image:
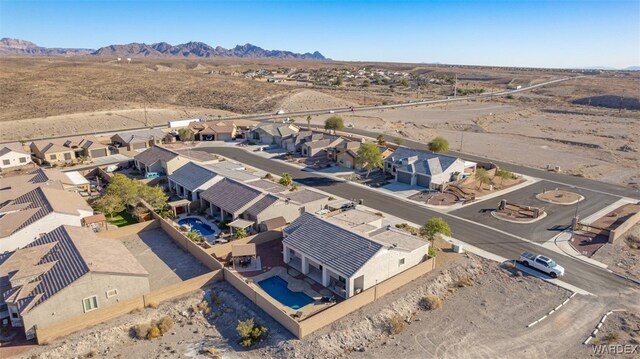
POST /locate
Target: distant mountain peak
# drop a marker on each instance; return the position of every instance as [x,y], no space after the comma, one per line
[10,46]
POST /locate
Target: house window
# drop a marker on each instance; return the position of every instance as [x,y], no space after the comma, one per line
[112,293]
[6,162]
[53,157]
[67,156]
[90,303]
[23,160]
[14,315]
[401,262]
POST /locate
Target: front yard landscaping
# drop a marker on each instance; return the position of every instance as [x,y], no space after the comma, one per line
[121,219]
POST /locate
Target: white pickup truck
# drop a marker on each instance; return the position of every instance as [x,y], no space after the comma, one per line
[542,263]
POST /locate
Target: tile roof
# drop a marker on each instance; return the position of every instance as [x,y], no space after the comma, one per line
[230,195]
[268,186]
[196,155]
[278,129]
[59,258]
[39,202]
[192,175]
[140,136]
[303,196]
[423,162]
[261,205]
[331,245]
[154,154]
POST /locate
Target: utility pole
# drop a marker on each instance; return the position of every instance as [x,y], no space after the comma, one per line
[146,120]
[455,87]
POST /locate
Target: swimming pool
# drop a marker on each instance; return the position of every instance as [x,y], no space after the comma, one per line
[277,288]
[197,225]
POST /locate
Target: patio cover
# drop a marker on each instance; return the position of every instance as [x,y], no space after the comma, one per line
[243,250]
[241,223]
[274,223]
[179,203]
[76,178]
[96,218]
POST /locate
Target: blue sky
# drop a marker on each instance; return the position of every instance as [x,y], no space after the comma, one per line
[538,33]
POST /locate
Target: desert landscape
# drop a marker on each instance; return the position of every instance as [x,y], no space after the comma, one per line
[589,125]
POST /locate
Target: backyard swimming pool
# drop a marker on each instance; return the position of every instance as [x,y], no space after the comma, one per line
[277,288]
[197,225]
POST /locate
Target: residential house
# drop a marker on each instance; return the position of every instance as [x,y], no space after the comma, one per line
[272,133]
[68,150]
[37,211]
[65,274]
[346,153]
[294,143]
[165,161]
[192,178]
[257,201]
[316,147]
[213,130]
[13,157]
[424,168]
[71,180]
[138,140]
[352,257]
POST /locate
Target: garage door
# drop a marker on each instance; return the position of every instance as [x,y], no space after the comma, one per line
[424,181]
[404,177]
[98,153]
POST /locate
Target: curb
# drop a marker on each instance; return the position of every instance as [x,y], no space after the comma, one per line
[494,215]
[634,280]
[599,325]
[552,311]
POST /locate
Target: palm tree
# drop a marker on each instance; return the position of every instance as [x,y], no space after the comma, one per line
[309,122]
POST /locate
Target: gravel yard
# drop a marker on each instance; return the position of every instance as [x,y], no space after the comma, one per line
[623,256]
[484,313]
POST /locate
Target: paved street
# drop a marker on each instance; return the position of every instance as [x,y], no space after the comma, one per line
[579,274]
[533,172]
[558,217]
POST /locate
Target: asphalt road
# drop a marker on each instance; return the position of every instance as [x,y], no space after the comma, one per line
[558,216]
[579,274]
[533,172]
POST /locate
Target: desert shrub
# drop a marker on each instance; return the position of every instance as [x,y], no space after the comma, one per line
[250,333]
[153,333]
[165,324]
[268,176]
[154,329]
[136,310]
[396,324]
[407,228]
[213,352]
[293,188]
[431,302]
[508,265]
[141,330]
[153,305]
[464,281]
[612,337]
[91,354]
[215,299]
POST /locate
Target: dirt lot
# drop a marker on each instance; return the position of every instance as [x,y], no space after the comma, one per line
[560,123]
[623,255]
[484,313]
[620,328]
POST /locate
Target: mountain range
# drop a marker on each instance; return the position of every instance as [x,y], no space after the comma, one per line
[191,49]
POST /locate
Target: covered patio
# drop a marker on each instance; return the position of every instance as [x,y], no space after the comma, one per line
[241,224]
[244,258]
[180,206]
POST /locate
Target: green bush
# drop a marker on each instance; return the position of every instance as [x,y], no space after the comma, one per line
[250,333]
[432,251]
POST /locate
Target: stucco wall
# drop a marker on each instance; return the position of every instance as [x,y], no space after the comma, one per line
[68,304]
[289,211]
[14,159]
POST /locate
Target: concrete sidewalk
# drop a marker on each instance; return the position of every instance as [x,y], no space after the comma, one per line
[562,242]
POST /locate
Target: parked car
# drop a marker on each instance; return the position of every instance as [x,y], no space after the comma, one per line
[542,263]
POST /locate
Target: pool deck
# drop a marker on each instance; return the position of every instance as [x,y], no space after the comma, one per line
[210,238]
[272,265]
